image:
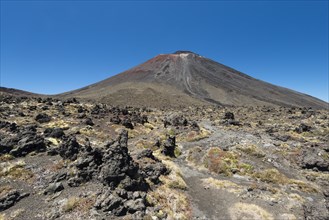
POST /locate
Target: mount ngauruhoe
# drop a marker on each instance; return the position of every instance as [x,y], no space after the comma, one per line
[186,78]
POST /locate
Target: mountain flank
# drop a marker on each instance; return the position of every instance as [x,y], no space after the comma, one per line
[186,78]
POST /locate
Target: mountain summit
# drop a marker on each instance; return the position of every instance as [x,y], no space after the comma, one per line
[186,78]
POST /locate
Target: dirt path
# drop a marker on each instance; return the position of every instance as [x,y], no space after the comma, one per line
[207,203]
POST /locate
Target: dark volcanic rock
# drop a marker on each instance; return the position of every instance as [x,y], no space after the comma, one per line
[54,132]
[175,120]
[43,118]
[81,115]
[233,122]
[154,171]
[228,115]
[88,121]
[124,181]
[118,166]
[53,188]
[32,108]
[28,144]
[134,183]
[157,143]
[283,138]
[124,111]
[140,119]
[58,177]
[146,153]
[123,140]
[229,119]
[81,109]
[112,165]
[7,144]
[109,202]
[4,124]
[169,146]
[313,159]
[71,101]
[99,109]
[121,202]
[52,151]
[88,165]
[45,108]
[24,135]
[195,126]
[135,205]
[10,126]
[302,128]
[28,130]
[69,149]
[127,123]
[115,120]
[9,198]
[312,212]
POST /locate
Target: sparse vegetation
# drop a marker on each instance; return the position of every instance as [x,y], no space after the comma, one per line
[59,124]
[171,132]
[252,150]
[174,180]
[57,165]
[245,169]
[248,211]
[224,162]
[174,203]
[275,177]
[6,157]
[193,136]
[195,155]
[4,190]
[219,161]
[271,176]
[70,203]
[15,170]
[177,151]
[303,186]
[145,144]
[53,141]
[223,184]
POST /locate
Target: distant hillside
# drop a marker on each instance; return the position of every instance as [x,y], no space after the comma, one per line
[16,92]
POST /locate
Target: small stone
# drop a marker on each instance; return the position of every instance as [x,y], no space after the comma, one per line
[135,205]
[53,188]
[88,121]
[229,115]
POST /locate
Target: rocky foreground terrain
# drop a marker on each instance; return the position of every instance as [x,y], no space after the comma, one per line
[67,159]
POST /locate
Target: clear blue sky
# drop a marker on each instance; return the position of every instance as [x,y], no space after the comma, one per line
[55,46]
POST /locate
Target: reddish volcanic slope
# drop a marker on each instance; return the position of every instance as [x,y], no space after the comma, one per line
[186,78]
